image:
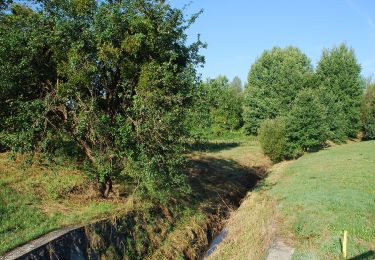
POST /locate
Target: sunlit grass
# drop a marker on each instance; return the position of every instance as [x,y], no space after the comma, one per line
[35,200]
[324,193]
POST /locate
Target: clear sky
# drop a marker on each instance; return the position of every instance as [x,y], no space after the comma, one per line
[238,31]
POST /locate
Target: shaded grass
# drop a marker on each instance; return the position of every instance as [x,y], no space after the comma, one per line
[219,179]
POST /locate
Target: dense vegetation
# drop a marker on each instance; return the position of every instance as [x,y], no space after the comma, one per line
[217,108]
[316,106]
[368,112]
[105,83]
[109,90]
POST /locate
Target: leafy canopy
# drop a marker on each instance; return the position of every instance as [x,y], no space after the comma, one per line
[338,74]
[274,81]
[103,82]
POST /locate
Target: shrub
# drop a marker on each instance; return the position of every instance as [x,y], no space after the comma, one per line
[303,129]
[272,138]
[306,126]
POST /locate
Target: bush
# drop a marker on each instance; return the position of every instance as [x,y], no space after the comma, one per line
[272,138]
[303,129]
[306,126]
[368,112]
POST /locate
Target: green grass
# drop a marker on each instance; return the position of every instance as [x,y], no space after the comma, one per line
[20,219]
[324,193]
[308,203]
[35,200]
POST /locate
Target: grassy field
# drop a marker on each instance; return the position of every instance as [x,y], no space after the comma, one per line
[324,193]
[308,203]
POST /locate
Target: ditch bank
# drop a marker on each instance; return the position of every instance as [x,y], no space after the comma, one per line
[183,229]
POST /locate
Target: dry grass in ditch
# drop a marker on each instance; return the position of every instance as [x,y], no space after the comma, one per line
[250,229]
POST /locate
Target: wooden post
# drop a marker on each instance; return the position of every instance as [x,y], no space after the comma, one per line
[344,244]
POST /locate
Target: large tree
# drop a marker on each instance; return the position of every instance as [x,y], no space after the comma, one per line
[274,81]
[105,82]
[338,77]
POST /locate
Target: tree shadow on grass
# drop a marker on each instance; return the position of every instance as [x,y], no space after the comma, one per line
[212,146]
[219,181]
[367,255]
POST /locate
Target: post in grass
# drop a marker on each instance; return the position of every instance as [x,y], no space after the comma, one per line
[344,244]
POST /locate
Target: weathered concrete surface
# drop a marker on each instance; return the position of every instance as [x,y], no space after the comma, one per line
[52,244]
[104,239]
[217,240]
[279,251]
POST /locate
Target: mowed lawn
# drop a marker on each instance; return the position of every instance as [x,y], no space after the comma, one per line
[324,193]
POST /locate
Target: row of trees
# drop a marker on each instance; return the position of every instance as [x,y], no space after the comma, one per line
[104,83]
[296,109]
[217,108]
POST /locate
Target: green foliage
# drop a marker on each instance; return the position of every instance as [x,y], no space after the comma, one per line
[303,129]
[217,109]
[338,73]
[273,139]
[335,116]
[274,81]
[306,125]
[236,84]
[104,82]
[368,112]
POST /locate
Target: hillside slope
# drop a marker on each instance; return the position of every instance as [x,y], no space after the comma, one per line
[308,203]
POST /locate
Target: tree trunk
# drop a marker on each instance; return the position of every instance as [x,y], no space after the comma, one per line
[106,187]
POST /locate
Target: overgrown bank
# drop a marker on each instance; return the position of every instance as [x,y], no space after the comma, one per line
[219,176]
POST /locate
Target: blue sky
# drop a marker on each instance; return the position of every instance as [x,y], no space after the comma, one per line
[238,31]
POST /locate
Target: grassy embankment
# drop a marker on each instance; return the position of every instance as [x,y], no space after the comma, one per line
[308,203]
[38,199]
